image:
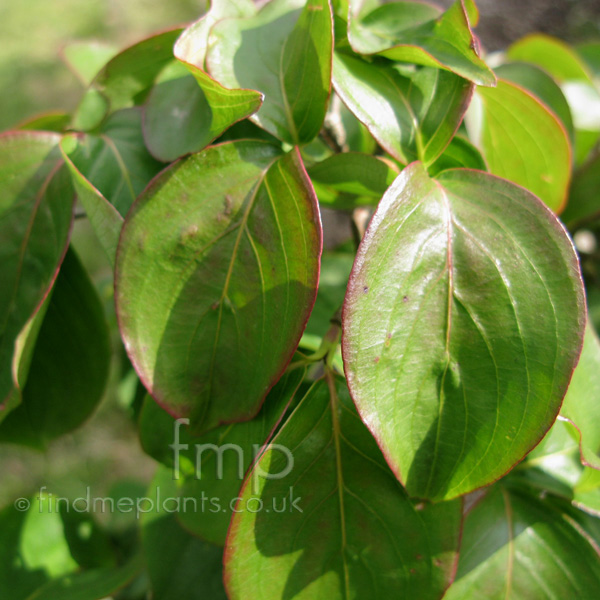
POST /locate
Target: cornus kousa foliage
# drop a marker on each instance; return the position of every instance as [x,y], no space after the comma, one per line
[414,413]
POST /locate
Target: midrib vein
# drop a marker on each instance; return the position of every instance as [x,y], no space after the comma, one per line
[241,229]
[449,266]
[330,377]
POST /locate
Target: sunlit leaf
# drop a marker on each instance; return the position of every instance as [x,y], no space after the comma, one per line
[284,52]
[517,546]
[413,114]
[523,141]
[328,519]
[463,322]
[416,32]
[217,270]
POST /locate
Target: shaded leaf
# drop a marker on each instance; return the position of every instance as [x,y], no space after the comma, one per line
[463,322]
[349,179]
[212,466]
[459,153]
[68,373]
[584,195]
[186,111]
[338,524]
[523,141]
[415,32]
[114,161]
[412,114]
[517,546]
[284,52]
[94,584]
[222,287]
[179,565]
[36,211]
[103,216]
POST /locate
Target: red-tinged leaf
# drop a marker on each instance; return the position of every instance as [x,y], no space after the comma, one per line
[216,276]
[322,516]
[36,212]
[463,322]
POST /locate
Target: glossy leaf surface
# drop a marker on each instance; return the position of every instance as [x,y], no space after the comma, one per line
[463,322]
[413,32]
[524,142]
[212,466]
[68,373]
[338,525]
[285,52]
[412,115]
[86,59]
[217,270]
[517,546]
[36,211]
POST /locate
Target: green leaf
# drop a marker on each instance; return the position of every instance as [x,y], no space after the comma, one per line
[68,373]
[285,53]
[36,212]
[95,584]
[351,178]
[517,546]
[411,113]
[541,85]
[226,453]
[590,52]
[459,153]
[192,45]
[103,216]
[524,142]
[582,402]
[126,79]
[338,524]
[463,322]
[551,54]
[115,162]
[184,113]
[335,270]
[85,59]
[227,285]
[33,547]
[48,121]
[584,195]
[180,566]
[414,32]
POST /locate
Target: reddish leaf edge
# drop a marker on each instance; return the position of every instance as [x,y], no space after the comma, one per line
[155,182]
[359,261]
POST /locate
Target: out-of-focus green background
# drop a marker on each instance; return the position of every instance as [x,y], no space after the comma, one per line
[33,32]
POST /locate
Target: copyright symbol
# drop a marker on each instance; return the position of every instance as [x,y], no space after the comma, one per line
[22,504]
